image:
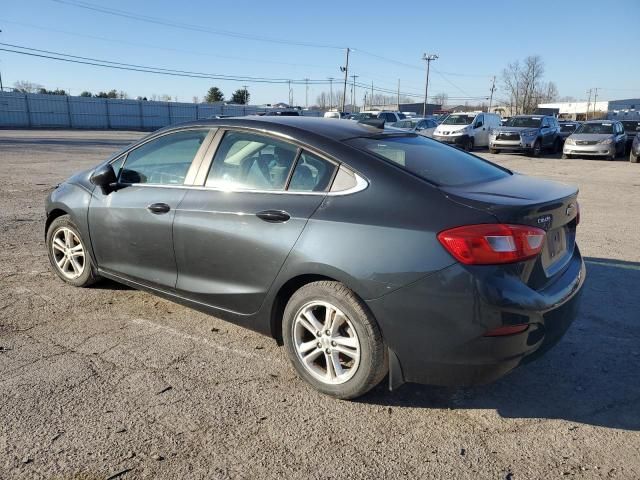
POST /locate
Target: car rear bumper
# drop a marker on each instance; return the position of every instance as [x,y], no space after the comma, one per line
[436,326]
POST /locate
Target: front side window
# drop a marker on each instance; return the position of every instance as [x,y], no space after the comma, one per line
[164,160]
[250,161]
[479,121]
[312,174]
[430,160]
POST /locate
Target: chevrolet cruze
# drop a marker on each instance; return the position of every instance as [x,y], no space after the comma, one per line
[365,252]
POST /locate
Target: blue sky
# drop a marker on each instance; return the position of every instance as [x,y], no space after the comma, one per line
[583,44]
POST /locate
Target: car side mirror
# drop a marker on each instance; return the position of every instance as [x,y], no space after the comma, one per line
[105,178]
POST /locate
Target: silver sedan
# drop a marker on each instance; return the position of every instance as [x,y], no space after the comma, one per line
[603,138]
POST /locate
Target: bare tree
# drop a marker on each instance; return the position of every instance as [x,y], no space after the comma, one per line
[441,98]
[25,86]
[322,100]
[524,87]
[195,99]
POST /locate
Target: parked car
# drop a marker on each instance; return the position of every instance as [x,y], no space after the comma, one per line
[567,128]
[467,130]
[283,113]
[635,149]
[421,126]
[290,226]
[631,128]
[387,115]
[602,138]
[527,133]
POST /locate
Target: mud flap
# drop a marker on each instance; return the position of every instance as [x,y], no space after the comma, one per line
[396,378]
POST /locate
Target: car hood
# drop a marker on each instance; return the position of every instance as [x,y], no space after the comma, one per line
[513,129]
[591,136]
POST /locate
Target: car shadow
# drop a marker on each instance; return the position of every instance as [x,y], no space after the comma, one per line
[591,377]
[108,284]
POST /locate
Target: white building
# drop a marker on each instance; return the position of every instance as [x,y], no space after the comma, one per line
[612,109]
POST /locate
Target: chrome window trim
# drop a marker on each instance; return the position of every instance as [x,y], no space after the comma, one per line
[361,184]
[201,176]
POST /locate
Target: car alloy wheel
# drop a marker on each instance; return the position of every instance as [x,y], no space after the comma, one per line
[68,253]
[326,342]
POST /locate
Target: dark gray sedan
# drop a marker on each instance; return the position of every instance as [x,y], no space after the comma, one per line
[364,252]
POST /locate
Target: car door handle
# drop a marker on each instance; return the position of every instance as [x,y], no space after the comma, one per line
[158,208]
[273,216]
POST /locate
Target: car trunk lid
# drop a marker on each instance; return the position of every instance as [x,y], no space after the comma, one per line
[523,200]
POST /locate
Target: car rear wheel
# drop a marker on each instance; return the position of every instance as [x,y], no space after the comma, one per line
[557,146]
[68,254]
[333,340]
[633,158]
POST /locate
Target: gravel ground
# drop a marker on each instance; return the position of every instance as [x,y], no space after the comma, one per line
[109,382]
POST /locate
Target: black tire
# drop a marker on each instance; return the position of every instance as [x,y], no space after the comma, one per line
[633,158]
[557,146]
[536,150]
[494,151]
[468,145]
[89,275]
[373,364]
[566,156]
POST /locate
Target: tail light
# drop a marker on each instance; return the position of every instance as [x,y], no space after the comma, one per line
[489,244]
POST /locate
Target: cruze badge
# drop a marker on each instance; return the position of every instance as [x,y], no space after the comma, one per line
[545,221]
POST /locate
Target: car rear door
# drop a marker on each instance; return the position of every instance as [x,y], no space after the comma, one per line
[131,228]
[234,231]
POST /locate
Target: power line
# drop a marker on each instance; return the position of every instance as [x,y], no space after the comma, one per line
[156,47]
[188,26]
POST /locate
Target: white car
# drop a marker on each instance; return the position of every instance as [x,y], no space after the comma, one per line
[421,126]
[387,115]
[467,129]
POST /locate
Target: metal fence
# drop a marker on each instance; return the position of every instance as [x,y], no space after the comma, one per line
[31,110]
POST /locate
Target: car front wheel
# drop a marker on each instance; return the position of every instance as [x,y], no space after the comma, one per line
[68,253]
[333,340]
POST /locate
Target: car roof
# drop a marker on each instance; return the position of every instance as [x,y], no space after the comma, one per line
[331,128]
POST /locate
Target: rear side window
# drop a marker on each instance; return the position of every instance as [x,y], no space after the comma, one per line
[164,160]
[431,160]
[312,174]
[249,161]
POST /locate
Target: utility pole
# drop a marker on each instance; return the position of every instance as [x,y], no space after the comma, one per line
[427,58]
[595,99]
[306,93]
[345,69]
[398,94]
[493,89]
[290,93]
[353,92]
[371,106]
[586,115]
[331,79]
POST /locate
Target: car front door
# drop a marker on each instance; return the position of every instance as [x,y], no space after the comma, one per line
[546,133]
[131,228]
[480,132]
[233,233]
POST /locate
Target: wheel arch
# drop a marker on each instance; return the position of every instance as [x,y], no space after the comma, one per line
[51,216]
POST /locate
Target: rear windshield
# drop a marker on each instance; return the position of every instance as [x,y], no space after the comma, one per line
[603,128]
[527,122]
[431,160]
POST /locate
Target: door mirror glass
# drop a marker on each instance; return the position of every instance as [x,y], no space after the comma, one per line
[104,177]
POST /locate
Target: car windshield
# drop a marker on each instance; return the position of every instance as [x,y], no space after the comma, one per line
[459,120]
[631,126]
[604,128]
[526,122]
[431,160]
[568,127]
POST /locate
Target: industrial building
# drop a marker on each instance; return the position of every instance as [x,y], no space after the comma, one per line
[628,109]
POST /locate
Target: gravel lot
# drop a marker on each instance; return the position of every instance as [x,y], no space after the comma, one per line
[109,382]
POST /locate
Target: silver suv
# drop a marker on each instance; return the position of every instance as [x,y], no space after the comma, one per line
[529,133]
